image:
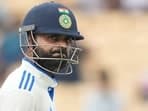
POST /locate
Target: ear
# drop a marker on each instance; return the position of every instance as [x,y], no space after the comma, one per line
[30,42]
[29,38]
[30,48]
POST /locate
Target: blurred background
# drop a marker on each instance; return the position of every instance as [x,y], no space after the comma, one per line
[113,73]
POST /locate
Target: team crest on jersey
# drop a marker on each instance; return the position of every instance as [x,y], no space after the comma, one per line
[65,21]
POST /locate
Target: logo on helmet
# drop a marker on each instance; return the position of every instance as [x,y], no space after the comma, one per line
[63,10]
[65,21]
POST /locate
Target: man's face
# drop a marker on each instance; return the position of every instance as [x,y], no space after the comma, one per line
[54,46]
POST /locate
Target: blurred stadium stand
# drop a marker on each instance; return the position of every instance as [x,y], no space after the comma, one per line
[114,39]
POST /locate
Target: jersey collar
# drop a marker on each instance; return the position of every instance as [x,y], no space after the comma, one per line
[42,75]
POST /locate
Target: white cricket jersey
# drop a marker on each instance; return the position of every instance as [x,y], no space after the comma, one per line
[28,88]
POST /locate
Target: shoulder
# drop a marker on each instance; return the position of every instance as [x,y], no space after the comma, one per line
[19,79]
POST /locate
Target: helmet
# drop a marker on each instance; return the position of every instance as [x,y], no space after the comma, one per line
[51,18]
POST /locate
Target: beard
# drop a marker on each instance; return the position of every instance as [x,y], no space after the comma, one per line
[52,64]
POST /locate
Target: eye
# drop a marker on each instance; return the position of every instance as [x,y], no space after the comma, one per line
[58,38]
[53,38]
[68,41]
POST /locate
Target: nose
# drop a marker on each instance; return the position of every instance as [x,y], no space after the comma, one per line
[62,43]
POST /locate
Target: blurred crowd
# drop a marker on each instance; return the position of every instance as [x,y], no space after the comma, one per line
[96,6]
[105,96]
[9,40]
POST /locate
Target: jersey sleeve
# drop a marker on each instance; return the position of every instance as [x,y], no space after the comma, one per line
[16,101]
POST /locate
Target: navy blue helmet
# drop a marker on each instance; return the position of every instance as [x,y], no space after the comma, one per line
[53,18]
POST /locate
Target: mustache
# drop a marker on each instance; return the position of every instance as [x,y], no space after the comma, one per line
[61,50]
[58,50]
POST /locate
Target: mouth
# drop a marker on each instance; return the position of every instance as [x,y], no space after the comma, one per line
[58,55]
